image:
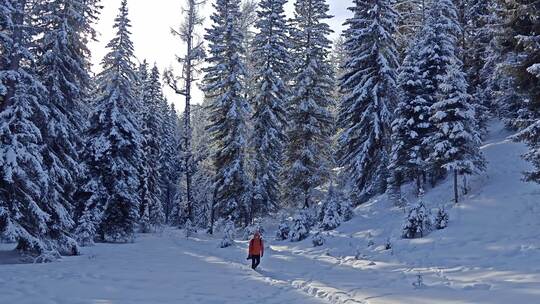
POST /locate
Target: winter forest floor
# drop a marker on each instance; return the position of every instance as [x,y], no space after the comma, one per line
[490,253]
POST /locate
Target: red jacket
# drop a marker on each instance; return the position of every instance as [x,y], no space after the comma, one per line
[256,246]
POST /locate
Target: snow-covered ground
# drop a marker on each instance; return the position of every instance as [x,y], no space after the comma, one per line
[490,253]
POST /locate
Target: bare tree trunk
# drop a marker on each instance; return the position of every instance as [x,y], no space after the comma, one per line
[213,212]
[194,57]
[187,123]
[306,199]
[456,194]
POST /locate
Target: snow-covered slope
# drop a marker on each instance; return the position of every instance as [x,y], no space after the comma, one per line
[490,253]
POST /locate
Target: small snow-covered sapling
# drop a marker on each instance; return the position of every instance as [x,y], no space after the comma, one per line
[228,235]
[283,231]
[441,220]
[318,239]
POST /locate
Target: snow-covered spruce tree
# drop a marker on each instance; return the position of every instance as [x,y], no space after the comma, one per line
[307,156]
[246,24]
[411,126]
[345,208]
[523,37]
[441,219]
[26,214]
[228,112]
[437,46]
[370,91]
[480,62]
[171,153]
[418,222]
[318,239]
[455,140]
[329,214]
[63,67]
[152,216]
[113,150]
[299,228]
[272,64]
[203,168]
[228,234]
[283,230]
[518,107]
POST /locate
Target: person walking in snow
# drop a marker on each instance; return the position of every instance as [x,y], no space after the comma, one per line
[256,250]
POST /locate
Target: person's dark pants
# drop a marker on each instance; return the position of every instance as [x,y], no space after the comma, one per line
[255,261]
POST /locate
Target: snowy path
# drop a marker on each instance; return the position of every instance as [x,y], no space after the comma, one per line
[489,254]
[153,270]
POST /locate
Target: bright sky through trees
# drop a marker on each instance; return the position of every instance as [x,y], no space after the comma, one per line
[153,41]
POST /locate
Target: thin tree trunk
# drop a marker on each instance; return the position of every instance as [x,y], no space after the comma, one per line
[456,194]
[465,186]
[418,184]
[187,112]
[306,200]
[212,212]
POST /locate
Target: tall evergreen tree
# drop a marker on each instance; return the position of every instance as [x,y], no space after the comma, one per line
[26,213]
[64,70]
[410,127]
[436,47]
[479,64]
[170,163]
[522,38]
[307,156]
[113,150]
[272,63]
[228,111]
[370,91]
[152,216]
[455,140]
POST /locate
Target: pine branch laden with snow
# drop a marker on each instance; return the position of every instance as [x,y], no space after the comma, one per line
[228,112]
[272,62]
[369,87]
[307,156]
[113,150]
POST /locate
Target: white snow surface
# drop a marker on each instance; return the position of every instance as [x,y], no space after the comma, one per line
[490,253]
